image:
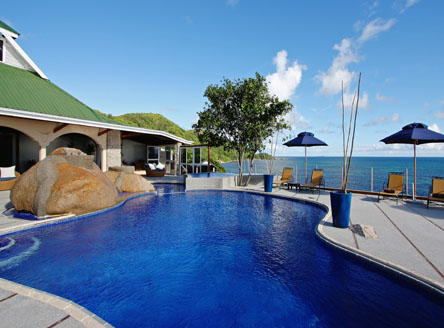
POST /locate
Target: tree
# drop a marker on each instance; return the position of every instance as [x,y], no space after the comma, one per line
[240,115]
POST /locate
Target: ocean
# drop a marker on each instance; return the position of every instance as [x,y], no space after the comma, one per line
[360,171]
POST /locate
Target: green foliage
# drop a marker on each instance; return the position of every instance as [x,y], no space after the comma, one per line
[240,115]
[262,156]
[159,122]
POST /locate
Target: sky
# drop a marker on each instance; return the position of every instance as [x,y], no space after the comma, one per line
[159,57]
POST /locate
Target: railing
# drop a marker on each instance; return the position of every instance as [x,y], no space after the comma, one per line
[361,178]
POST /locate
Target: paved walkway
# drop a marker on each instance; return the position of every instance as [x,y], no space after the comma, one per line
[410,238]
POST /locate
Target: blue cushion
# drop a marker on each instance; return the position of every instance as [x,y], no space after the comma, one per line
[7,179]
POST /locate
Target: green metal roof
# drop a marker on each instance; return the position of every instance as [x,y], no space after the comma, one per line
[25,90]
[7,27]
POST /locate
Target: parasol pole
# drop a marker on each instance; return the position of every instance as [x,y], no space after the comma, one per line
[305,163]
[414,168]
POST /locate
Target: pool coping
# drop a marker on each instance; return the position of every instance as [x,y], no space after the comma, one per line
[74,310]
[396,268]
[68,217]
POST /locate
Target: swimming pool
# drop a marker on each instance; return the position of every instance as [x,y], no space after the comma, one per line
[213,258]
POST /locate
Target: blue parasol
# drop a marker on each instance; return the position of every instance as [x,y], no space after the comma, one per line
[305,139]
[414,134]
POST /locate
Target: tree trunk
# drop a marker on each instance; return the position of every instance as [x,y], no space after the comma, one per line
[250,169]
[240,159]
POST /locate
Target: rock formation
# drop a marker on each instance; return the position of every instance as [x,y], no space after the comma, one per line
[67,181]
[126,180]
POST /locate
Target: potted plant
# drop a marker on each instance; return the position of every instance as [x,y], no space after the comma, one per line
[279,125]
[341,200]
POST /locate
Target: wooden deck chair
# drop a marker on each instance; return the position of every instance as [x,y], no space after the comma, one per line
[436,191]
[395,186]
[286,176]
[317,180]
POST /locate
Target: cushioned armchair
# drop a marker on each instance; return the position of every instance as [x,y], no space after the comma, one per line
[154,172]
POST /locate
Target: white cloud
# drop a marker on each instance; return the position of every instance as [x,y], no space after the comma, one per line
[338,72]
[408,4]
[434,127]
[328,129]
[375,27]
[382,98]
[383,120]
[284,82]
[395,117]
[348,99]
[433,146]
[296,120]
[439,115]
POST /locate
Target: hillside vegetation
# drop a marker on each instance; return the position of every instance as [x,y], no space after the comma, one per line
[159,122]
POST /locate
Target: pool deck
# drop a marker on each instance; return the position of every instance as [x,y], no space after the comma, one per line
[410,235]
[410,239]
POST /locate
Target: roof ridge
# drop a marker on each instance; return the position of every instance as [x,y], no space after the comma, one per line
[7,27]
[30,80]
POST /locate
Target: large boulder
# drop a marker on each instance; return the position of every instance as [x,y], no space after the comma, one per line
[128,182]
[67,181]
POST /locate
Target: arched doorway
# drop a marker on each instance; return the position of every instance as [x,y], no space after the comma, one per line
[79,141]
[17,149]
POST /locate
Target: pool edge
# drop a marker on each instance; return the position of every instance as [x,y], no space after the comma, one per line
[74,310]
[414,277]
[387,265]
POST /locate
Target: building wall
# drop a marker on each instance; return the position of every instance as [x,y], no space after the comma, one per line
[133,152]
[42,134]
[29,152]
[11,57]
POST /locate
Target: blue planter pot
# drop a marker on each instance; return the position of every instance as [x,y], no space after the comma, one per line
[268,182]
[340,208]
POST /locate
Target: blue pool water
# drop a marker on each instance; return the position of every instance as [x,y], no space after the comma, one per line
[213,259]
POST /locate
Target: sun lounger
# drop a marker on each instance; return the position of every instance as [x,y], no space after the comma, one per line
[436,191]
[317,180]
[395,186]
[286,176]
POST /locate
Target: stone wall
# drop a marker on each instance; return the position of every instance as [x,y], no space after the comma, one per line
[113,153]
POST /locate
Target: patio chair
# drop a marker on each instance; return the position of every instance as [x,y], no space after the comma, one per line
[394,187]
[286,176]
[317,180]
[436,191]
[154,172]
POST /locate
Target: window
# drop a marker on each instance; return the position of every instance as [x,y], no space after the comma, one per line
[1,50]
[153,154]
